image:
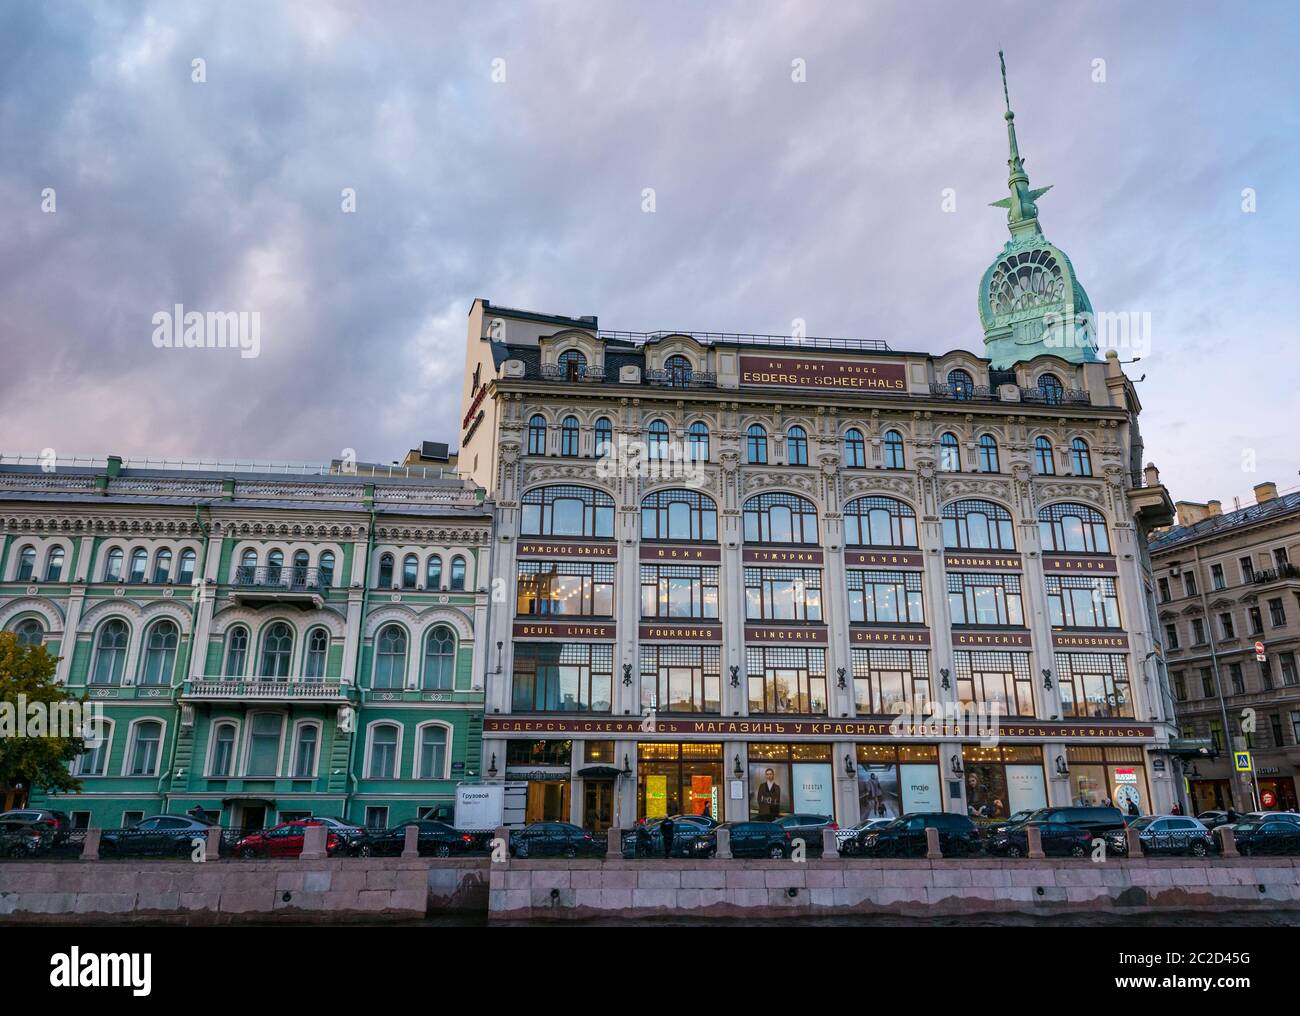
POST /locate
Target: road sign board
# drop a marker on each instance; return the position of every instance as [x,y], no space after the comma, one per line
[1241,760]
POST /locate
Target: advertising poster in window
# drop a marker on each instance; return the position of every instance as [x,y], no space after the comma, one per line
[813,788]
[656,796]
[1025,788]
[769,790]
[878,790]
[920,788]
[986,791]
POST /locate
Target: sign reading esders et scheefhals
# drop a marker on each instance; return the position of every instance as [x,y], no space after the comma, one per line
[820,372]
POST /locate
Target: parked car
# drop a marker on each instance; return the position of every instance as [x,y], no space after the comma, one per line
[1274,837]
[435,839]
[56,823]
[1017,819]
[24,841]
[1165,834]
[1265,816]
[646,839]
[1097,820]
[350,835]
[1213,819]
[553,839]
[906,837]
[850,840]
[285,840]
[159,835]
[1059,839]
[802,826]
[748,839]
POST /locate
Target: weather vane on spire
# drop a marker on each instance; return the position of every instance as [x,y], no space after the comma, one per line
[1005,94]
[1022,212]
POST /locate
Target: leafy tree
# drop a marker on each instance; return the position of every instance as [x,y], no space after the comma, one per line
[29,756]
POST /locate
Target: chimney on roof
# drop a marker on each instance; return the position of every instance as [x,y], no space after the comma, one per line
[1214,508]
[1265,492]
[1191,512]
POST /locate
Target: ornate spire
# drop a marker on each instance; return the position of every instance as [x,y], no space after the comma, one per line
[1022,212]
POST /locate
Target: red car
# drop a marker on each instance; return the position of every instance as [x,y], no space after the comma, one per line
[284,840]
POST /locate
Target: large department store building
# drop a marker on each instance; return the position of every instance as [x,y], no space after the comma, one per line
[733,569]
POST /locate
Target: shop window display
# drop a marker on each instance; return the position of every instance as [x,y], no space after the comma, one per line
[1003,779]
[895,780]
[785,778]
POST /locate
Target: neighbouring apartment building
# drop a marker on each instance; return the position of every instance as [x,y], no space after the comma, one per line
[736,565]
[1229,594]
[265,643]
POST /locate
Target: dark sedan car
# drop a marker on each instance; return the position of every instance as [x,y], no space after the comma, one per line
[806,827]
[1059,839]
[748,839]
[906,836]
[1099,821]
[1271,837]
[1164,834]
[553,839]
[1018,819]
[646,839]
[435,839]
[157,835]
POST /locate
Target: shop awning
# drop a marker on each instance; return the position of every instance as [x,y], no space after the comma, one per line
[1192,747]
[600,772]
[249,799]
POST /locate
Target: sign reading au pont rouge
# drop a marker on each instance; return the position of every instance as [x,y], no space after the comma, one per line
[819,372]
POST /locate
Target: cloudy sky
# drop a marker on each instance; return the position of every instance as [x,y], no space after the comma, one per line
[774,200]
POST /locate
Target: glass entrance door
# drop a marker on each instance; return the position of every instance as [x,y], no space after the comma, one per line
[548,801]
[598,805]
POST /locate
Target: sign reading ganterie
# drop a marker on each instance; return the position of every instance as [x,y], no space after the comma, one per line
[781,555]
[651,552]
[882,559]
[986,639]
[1081,640]
[1055,564]
[565,630]
[680,633]
[777,633]
[553,548]
[821,372]
[637,727]
[890,638]
[986,561]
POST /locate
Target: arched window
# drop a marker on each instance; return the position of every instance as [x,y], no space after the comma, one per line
[960,385]
[383,752]
[569,437]
[162,565]
[567,510]
[325,570]
[949,453]
[160,653]
[537,435]
[679,515]
[113,566]
[1051,390]
[977,525]
[26,564]
[221,763]
[658,432]
[94,760]
[698,438]
[236,652]
[304,751]
[780,518]
[796,446]
[274,567]
[988,454]
[573,365]
[433,753]
[145,749]
[185,573]
[756,444]
[301,562]
[875,521]
[677,371]
[30,633]
[385,571]
[894,455]
[433,572]
[139,562]
[457,572]
[390,657]
[1044,459]
[855,449]
[246,574]
[277,650]
[1073,529]
[439,659]
[604,436]
[318,646]
[54,564]
[1080,457]
[110,652]
[410,571]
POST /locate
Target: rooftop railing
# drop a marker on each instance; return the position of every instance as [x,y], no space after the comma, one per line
[740,339]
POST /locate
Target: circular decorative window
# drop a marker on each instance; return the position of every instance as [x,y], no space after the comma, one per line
[1026,281]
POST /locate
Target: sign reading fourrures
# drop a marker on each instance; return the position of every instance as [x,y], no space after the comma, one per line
[565,630]
[552,548]
[882,559]
[985,561]
[965,727]
[680,633]
[1076,564]
[818,372]
[651,552]
[1081,640]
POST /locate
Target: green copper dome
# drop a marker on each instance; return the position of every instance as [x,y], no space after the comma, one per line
[1031,302]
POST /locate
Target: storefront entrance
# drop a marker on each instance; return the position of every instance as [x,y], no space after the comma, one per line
[597,805]
[548,801]
[1210,795]
[679,779]
[1277,794]
[1002,780]
[1109,777]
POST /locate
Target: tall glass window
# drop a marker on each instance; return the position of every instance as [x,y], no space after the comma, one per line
[960,385]
[318,645]
[874,521]
[569,437]
[893,447]
[949,454]
[977,525]
[562,677]
[439,659]
[679,515]
[537,435]
[756,445]
[855,449]
[780,518]
[277,650]
[988,449]
[390,658]
[236,652]
[1080,457]
[796,446]
[1044,457]
[160,653]
[1073,529]
[566,510]
[698,439]
[110,652]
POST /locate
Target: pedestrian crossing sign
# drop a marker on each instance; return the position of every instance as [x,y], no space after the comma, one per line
[1242,761]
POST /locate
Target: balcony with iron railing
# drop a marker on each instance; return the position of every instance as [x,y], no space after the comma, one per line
[264,689]
[282,584]
[990,393]
[1284,572]
[573,373]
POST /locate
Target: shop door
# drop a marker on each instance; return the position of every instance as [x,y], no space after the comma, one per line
[252,817]
[598,805]
[548,801]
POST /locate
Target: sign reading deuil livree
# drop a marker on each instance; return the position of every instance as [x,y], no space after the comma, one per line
[821,372]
